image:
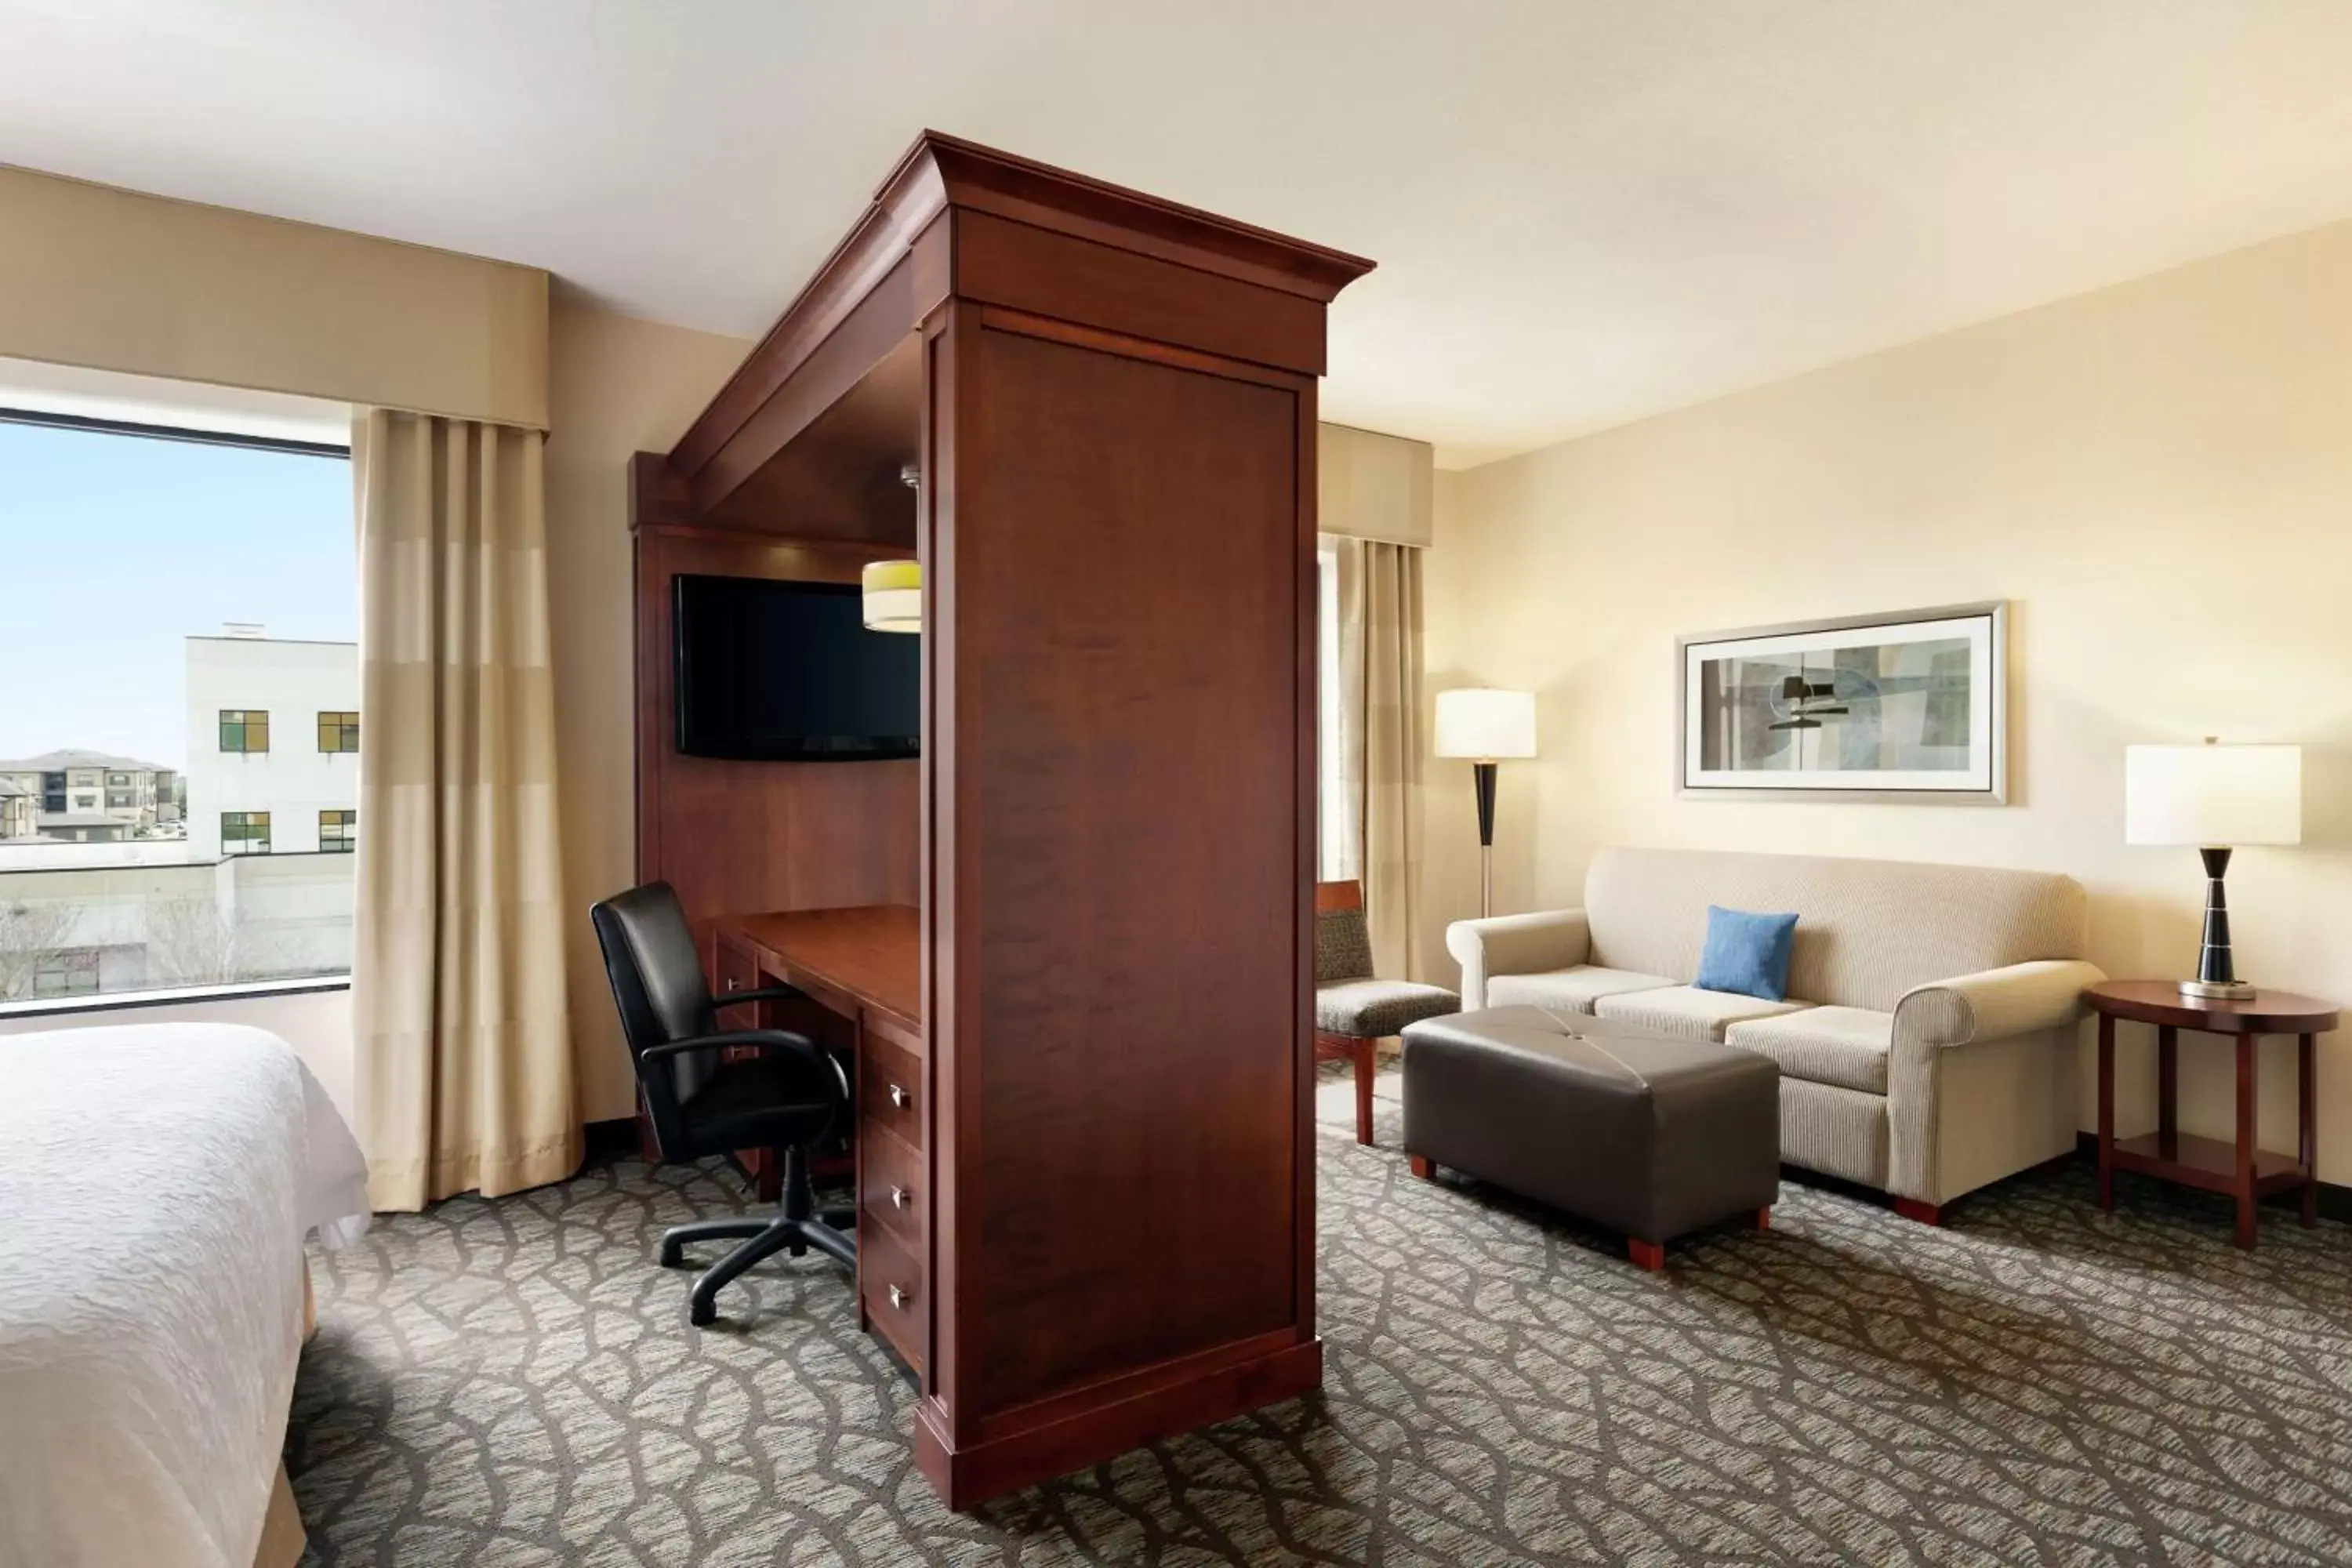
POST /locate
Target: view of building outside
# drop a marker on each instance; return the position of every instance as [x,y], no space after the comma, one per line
[178,786]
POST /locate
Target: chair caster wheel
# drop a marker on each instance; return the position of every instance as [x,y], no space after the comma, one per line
[701,1313]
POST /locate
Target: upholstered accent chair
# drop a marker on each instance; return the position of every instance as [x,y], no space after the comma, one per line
[1929,1043]
[1354,1011]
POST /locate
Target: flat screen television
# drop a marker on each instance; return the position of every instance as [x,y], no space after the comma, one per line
[786,672]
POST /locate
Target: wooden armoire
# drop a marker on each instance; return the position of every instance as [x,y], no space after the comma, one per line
[1111,402]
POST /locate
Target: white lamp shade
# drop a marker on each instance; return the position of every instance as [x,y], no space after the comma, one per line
[1485,724]
[894,596]
[2214,796]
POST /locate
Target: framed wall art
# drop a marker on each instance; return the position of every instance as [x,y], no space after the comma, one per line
[1907,707]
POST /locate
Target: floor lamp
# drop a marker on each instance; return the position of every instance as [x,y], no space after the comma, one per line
[1484,725]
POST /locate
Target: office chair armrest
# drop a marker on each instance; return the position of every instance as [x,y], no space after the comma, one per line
[765,1039]
[765,993]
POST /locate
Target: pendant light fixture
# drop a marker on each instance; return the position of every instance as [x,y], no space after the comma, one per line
[893,589]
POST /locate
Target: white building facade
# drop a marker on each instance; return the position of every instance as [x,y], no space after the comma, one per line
[273,747]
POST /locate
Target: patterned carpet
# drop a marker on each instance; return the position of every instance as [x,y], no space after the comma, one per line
[514,1382]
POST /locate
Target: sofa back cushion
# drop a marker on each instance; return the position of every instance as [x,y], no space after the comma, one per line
[1867,931]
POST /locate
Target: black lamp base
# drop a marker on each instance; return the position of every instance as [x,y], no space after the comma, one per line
[2217,975]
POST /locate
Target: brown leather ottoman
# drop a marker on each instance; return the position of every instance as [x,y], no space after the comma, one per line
[1643,1133]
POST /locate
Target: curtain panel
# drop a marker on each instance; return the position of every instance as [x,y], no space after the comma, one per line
[1382,739]
[461,1033]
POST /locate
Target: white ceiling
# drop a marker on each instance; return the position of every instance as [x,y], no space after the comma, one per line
[1583,210]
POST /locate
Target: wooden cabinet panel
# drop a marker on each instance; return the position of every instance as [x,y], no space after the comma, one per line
[1128,580]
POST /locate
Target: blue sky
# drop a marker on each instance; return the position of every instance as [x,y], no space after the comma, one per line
[113,549]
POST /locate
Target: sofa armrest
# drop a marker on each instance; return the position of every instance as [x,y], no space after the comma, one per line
[2011,1100]
[1995,1002]
[1515,944]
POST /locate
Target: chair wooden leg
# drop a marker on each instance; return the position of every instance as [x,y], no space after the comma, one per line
[1365,1060]
[1920,1209]
[1423,1166]
[1650,1254]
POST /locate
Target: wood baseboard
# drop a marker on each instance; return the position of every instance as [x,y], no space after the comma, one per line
[969,1476]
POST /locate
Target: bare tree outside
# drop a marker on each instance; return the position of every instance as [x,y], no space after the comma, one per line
[29,934]
[194,941]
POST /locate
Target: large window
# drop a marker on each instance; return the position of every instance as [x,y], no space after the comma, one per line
[200,583]
[1335,789]
[245,729]
[338,732]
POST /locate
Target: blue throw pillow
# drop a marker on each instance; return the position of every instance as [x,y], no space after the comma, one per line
[1746,954]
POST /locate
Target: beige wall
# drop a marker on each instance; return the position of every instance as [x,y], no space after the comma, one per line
[2158,476]
[617,386]
[118,281]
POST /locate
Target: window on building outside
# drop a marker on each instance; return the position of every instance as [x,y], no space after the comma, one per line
[161,720]
[338,732]
[69,971]
[244,729]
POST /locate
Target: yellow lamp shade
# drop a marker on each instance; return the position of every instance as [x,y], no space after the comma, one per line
[894,596]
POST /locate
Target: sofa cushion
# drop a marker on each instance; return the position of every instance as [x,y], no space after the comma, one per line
[1689,1012]
[1375,1009]
[1841,1046]
[1570,990]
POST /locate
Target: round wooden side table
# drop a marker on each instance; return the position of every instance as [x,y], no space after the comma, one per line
[2238,1169]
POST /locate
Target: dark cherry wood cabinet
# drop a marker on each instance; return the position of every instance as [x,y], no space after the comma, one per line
[1088,1212]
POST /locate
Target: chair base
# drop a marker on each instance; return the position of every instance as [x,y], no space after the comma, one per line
[762,1239]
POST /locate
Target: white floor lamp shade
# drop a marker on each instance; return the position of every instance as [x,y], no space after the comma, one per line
[1485,724]
[2213,798]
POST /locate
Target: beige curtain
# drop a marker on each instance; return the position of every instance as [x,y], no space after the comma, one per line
[463,1044]
[1380,686]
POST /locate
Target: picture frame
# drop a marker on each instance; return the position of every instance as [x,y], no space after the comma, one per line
[1908,706]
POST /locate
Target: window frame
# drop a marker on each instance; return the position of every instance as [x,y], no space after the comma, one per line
[245,824]
[347,841]
[345,724]
[247,721]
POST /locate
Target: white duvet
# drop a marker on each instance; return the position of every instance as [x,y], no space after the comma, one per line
[156,1183]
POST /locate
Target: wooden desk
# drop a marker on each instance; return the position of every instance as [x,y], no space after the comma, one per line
[864,968]
[2239,1168]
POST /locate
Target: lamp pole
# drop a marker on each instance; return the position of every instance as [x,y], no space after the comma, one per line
[1483,774]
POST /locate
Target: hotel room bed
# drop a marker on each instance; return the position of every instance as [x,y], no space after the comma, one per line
[156,1183]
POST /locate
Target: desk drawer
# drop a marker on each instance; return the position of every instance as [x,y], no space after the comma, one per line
[890,1089]
[897,1295]
[890,1186]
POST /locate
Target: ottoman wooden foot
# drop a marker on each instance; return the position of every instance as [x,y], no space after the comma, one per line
[1920,1209]
[1764,1217]
[1650,1254]
[1423,1166]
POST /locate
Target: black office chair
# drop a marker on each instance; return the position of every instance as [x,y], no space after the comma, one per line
[791,1096]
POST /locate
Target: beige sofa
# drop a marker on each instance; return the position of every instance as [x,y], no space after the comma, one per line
[1929,1046]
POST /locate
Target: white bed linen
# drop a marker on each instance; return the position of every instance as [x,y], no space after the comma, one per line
[156,1183]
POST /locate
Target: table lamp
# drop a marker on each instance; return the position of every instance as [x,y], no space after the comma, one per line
[1486,725]
[2216,798]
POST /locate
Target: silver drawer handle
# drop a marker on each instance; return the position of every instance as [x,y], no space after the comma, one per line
[733,983]
[901,1097]
[901,1198]
[898,1297]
